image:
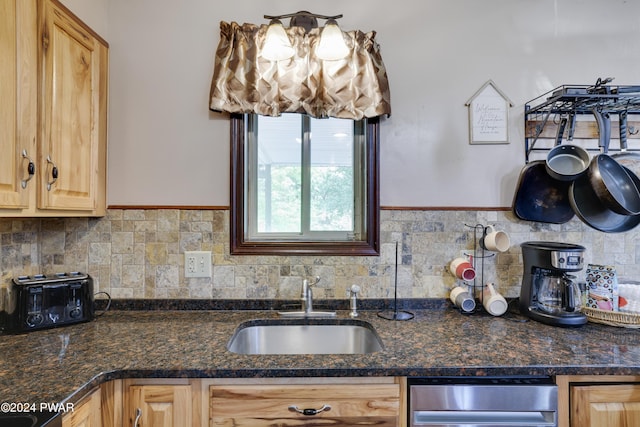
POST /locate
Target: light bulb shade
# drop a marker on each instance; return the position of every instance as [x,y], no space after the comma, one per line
[332,45]
[277,45]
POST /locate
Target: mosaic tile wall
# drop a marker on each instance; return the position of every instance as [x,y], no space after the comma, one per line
[139,254]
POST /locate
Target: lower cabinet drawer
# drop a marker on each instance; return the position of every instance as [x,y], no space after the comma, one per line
[300,405]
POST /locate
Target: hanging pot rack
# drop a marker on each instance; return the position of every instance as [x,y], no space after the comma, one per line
[544,113]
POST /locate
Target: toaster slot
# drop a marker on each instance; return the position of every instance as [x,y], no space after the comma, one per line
[56,302]
[74,305]
[34,306]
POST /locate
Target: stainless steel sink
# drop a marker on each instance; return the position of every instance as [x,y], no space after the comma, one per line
[304,336]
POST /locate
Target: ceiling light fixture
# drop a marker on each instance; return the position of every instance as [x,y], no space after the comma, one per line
[277,46]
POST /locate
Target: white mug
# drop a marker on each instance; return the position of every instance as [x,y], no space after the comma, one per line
[462,298]
[462,269]
[496,241]
[493,302]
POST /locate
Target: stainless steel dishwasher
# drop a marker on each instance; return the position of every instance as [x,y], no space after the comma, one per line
[482,401]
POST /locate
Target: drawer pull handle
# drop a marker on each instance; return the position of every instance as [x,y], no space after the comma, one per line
[309,411]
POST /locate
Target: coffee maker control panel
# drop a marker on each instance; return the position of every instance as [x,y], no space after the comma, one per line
[567,260]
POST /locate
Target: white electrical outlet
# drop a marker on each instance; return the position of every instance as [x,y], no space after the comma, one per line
[197,264]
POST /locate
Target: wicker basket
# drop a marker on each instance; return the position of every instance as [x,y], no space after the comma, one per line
[612,318]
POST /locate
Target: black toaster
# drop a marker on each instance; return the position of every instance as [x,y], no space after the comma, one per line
[46,301]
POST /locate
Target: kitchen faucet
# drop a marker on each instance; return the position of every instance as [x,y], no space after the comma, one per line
[306,298]
[307,295]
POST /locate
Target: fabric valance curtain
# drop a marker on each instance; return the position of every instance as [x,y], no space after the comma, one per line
[244,82]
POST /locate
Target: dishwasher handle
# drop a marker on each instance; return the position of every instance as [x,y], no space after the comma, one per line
[484,418]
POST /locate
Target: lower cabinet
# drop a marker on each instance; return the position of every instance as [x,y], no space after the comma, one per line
[308,403]
[161,403]
[86,413]
[596,401]
[254,402]
[583,401]
[605,405]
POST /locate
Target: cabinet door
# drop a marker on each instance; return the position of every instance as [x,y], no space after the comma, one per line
[73,93]
[86,414]
[18,94]
[605,405]
[268,405]
[160,406]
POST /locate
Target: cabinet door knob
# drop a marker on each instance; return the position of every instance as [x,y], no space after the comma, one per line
[54,173]
[31,169]
[309,411]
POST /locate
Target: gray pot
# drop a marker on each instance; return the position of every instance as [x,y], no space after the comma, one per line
[567,162]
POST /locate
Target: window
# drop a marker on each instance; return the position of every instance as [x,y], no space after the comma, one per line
[304,186]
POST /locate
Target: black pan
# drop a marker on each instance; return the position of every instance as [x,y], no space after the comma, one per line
[540,197]
[611,183]
[594,213]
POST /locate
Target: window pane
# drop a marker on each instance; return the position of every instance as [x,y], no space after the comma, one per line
[279,174]
[331,178]
[278,162]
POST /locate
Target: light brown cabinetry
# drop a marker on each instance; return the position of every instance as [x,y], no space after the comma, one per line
[254,402]
[87,413]
[18,92]
[598,400]
[162,403]
[605,405]
[72,154]
[308,402]
[57,118]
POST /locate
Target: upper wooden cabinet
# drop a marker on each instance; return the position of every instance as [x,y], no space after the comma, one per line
[18,91]
[73,77]
[57,119]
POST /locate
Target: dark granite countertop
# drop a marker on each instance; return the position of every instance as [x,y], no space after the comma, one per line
[61,364]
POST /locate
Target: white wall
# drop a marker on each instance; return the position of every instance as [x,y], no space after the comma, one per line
[166,148]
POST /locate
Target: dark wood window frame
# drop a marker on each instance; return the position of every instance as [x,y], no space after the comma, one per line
[239,246]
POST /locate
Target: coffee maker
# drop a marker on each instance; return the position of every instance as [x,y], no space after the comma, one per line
[548,293]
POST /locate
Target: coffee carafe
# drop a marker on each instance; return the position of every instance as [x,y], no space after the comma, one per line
[559,293]
[549,294]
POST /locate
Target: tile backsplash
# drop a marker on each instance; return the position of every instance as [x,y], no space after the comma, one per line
[136,253]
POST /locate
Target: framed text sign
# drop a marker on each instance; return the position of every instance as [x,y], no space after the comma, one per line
[489,116]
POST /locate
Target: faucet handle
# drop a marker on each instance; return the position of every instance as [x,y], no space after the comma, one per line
[314,282]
